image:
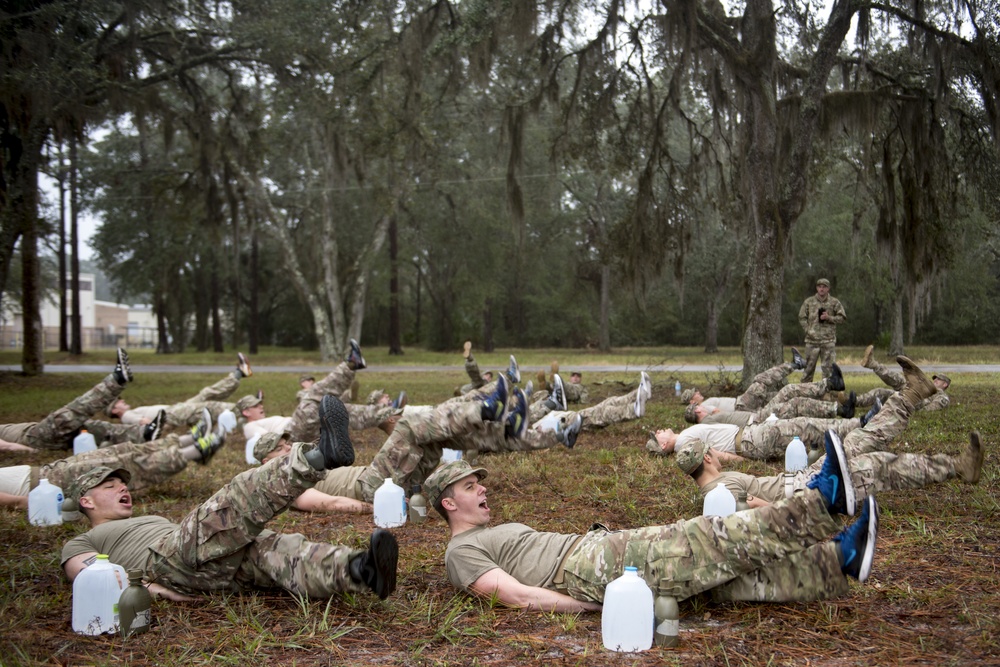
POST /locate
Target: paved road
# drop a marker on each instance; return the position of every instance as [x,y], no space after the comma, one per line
[662,368]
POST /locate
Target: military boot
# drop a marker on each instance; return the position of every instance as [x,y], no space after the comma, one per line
[918,386]
[969,464]
[866,360]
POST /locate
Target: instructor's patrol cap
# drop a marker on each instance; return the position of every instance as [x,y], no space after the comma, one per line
[446,475]
[88,480]
[823,281]
[690,455]
[688,394]
[248,402]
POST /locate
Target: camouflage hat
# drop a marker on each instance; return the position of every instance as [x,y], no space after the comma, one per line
[267,443]
[653,445]
[446,475]
[941,376]
[81,484]
[690,455]
[689,413]
[688,394]
[374,397]
[306,377]
[823,281]
[247,402]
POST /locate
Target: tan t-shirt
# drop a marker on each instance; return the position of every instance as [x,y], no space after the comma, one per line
[125,541]
[527,555]
[723,403]
[738,418]
[341,482]
[15,480]
[136,415]
[720,437]
[266,425]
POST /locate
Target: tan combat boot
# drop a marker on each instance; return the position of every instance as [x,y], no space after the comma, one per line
[969,464]
[918,386]
[467,349]
[542,382]
[866,360]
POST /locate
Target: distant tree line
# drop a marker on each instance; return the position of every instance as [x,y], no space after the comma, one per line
[302,172]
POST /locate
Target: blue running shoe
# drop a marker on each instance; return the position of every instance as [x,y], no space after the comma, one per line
[834,478]
[513,374]
[875,409]
[495,405]
[517,417]
[857,542]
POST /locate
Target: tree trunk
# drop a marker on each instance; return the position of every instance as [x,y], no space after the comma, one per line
[76,324]
[253,324]
[488,344]
[63,306]
[395,333]
[896,337]
[237,284]
[712,328]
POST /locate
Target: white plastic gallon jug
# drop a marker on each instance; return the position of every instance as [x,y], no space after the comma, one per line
[84,443]
[45,504]
[390,505]
[96,591]
[796,457]
[449,455]
[719,502]
[627,617]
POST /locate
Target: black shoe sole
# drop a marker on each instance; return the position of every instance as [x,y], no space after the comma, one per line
[385,551]
[334,438]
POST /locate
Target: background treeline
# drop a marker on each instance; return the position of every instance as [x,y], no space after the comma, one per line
[301,172]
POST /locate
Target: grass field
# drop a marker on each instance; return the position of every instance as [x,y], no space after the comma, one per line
[932,598]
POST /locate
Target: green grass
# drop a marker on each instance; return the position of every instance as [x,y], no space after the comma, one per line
[932,598]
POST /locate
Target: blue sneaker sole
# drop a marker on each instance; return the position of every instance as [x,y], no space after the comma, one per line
[334,437]
[868,557]
[850,500]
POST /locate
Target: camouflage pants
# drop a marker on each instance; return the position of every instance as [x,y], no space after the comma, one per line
[797,407]
[815,351]
[222,544]
[491,438]
[413,450]
[475,377]
[212,397]
[768,440]
[304,426]
[575,393]
[189,412]
[762,388]
[883,429]
[773,553]
[895,379]
[108,433]
[150,463]
[612,410]
[58,428]
[885,471]
[867,399]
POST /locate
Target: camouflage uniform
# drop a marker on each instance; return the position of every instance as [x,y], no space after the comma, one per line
[150,463]
[768,440]
[212,398]
[894,379]
[414,448]
[821,337]
[475,377]
[776,553]
[575,393]
[304,425]
[222,544]
[56,431]
[763,387]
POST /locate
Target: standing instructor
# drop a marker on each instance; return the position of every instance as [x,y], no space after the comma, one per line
[819,317]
